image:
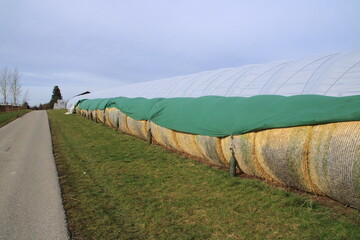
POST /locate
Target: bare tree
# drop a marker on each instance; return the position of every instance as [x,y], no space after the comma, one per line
[26,97]
[5,76]
[15,86]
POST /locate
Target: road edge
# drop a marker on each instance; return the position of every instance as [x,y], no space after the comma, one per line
[69,234]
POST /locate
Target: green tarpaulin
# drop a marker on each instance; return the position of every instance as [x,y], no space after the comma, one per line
[136,108]
[223,116]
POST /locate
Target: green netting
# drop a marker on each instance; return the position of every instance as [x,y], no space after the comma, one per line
[223,116]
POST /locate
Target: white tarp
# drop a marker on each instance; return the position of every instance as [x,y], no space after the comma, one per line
[331,75]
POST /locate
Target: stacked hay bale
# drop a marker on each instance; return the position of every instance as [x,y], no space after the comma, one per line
[322,158]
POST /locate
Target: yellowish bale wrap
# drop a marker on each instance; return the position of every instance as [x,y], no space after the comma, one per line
[111,118]
[137,128]
[100,116]
[165,137]
[123,127]
[187,143]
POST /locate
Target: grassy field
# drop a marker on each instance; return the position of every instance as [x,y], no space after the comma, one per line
[6,117]
[116,186]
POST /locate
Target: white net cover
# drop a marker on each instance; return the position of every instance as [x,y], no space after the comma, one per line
[331,75]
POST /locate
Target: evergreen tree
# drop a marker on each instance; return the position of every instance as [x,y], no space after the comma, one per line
[26,105]
[55,96]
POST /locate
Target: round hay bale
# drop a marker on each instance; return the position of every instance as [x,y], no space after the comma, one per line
[334,161]
[100,116]
[111,115]
[323,159]
[225,149]
[245,154]
[164,136]
[188,144]
[137,128]
[122,120]
[211,148]
[107,118]
[93,115]
[283,155]
[242,152]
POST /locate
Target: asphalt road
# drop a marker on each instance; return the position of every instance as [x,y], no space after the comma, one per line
[30,199]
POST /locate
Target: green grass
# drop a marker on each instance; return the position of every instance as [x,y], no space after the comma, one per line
[116,186]
[6,117]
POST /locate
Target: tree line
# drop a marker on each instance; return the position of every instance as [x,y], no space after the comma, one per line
[11,91]
[56,95]
[10,88]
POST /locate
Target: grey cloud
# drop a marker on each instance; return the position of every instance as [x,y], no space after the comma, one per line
[133,41]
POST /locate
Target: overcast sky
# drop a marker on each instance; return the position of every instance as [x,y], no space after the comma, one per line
[93,45]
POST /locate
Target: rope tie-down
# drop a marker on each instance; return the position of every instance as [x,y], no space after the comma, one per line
[233,163]
[149,135]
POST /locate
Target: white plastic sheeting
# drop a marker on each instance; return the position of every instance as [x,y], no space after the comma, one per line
[331,75]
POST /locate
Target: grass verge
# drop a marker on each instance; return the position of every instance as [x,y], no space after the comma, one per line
[6,117]
[116,186]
